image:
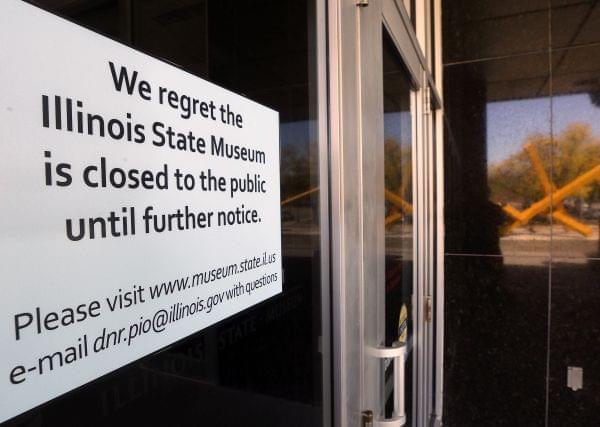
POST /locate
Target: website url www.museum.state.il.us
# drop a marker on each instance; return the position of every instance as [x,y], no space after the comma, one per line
[208,276]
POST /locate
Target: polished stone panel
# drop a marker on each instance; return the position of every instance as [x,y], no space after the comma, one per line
[574,23]
[496,110]
[518,128]
[575,341]
[495,340]
[475,29]
[576,149]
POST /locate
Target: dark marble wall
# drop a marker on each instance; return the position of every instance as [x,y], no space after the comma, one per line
[521,81]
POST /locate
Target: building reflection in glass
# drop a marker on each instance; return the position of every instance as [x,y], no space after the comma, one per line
[528,166]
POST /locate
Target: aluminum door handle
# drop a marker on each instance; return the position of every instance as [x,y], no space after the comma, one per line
[397,354]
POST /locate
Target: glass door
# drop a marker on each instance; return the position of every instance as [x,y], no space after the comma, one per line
[396,298]
[266,365]
[383,202]
[398,287]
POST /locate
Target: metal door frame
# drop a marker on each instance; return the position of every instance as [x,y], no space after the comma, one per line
[357,209]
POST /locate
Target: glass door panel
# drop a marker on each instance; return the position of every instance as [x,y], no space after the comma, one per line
[380,224]
[399,211]
[262,366]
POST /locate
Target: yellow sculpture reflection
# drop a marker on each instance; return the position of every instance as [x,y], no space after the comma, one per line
[299,196]
[554,197]
[402,205]
[529,193]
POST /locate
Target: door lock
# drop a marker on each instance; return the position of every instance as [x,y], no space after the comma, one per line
[428,309]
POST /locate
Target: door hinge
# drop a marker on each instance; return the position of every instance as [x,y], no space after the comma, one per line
[428,309]
[427,100]
[362,3]
[367,419]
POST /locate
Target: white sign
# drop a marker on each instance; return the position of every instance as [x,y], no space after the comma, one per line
[139,205]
